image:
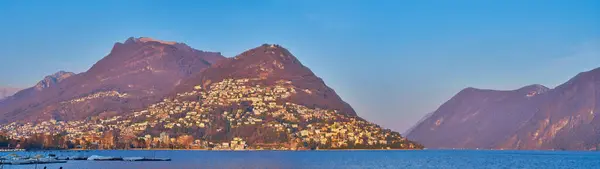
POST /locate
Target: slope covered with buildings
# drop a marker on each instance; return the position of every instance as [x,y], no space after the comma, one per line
[263,98]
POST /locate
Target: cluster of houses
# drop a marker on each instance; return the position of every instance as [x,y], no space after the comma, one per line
[72,128]
[301,124]
[98,95]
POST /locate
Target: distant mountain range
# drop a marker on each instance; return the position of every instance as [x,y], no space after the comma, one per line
[156,89]
[532,117]
[135,73]
[7,91]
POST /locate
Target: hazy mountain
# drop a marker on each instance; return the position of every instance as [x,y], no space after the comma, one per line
[134,74]
[7,91]
[533,117]
[53,79]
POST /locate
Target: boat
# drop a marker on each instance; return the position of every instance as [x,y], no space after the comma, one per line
[32,161]
[104,158]
[20,162]
[77,157]
[145,159]
[12,156]
[48,160]
[11,150]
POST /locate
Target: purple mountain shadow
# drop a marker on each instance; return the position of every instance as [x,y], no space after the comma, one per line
[533,117]
[135,73]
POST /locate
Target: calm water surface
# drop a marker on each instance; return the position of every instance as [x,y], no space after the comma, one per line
[330,159]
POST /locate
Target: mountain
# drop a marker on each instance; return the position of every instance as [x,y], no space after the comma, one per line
[269,65]
[532,117]
[135,73]
[263,98]
[7,91]
[53,79]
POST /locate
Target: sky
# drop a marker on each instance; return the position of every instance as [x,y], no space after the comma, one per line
[394,61]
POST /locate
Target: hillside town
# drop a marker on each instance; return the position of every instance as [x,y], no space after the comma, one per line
[233,114]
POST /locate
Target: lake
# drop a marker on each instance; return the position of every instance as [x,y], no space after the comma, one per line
[182,159]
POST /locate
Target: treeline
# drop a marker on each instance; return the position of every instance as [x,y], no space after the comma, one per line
[351,145]
[35,142]
[110,140]
[5,142]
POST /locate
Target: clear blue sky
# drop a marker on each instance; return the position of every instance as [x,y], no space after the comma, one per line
[393,61]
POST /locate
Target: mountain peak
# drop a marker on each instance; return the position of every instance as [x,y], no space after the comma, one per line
[55,78]
[137,51]
[530,117]
[61,74]
[133,74]
[586,76]
[148,39]
[268,53]
[272,65]
[266,48]
[272,46]
[535,87]
[470,90]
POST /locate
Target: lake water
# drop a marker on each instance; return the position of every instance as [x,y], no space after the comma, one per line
[330,159]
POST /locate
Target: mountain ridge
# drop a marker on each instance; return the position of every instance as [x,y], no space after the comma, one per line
[273,63]
[136,73]
[261,98]
[531,117]
[53,79]
[7,92]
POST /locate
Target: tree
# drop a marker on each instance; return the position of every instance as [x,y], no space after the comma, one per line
[109,140]
[127,141]
[185,141]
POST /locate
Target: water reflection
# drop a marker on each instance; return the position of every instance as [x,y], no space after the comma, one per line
[327,159]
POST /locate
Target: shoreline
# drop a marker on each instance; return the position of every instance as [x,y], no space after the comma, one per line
[162,149]
[330,150]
